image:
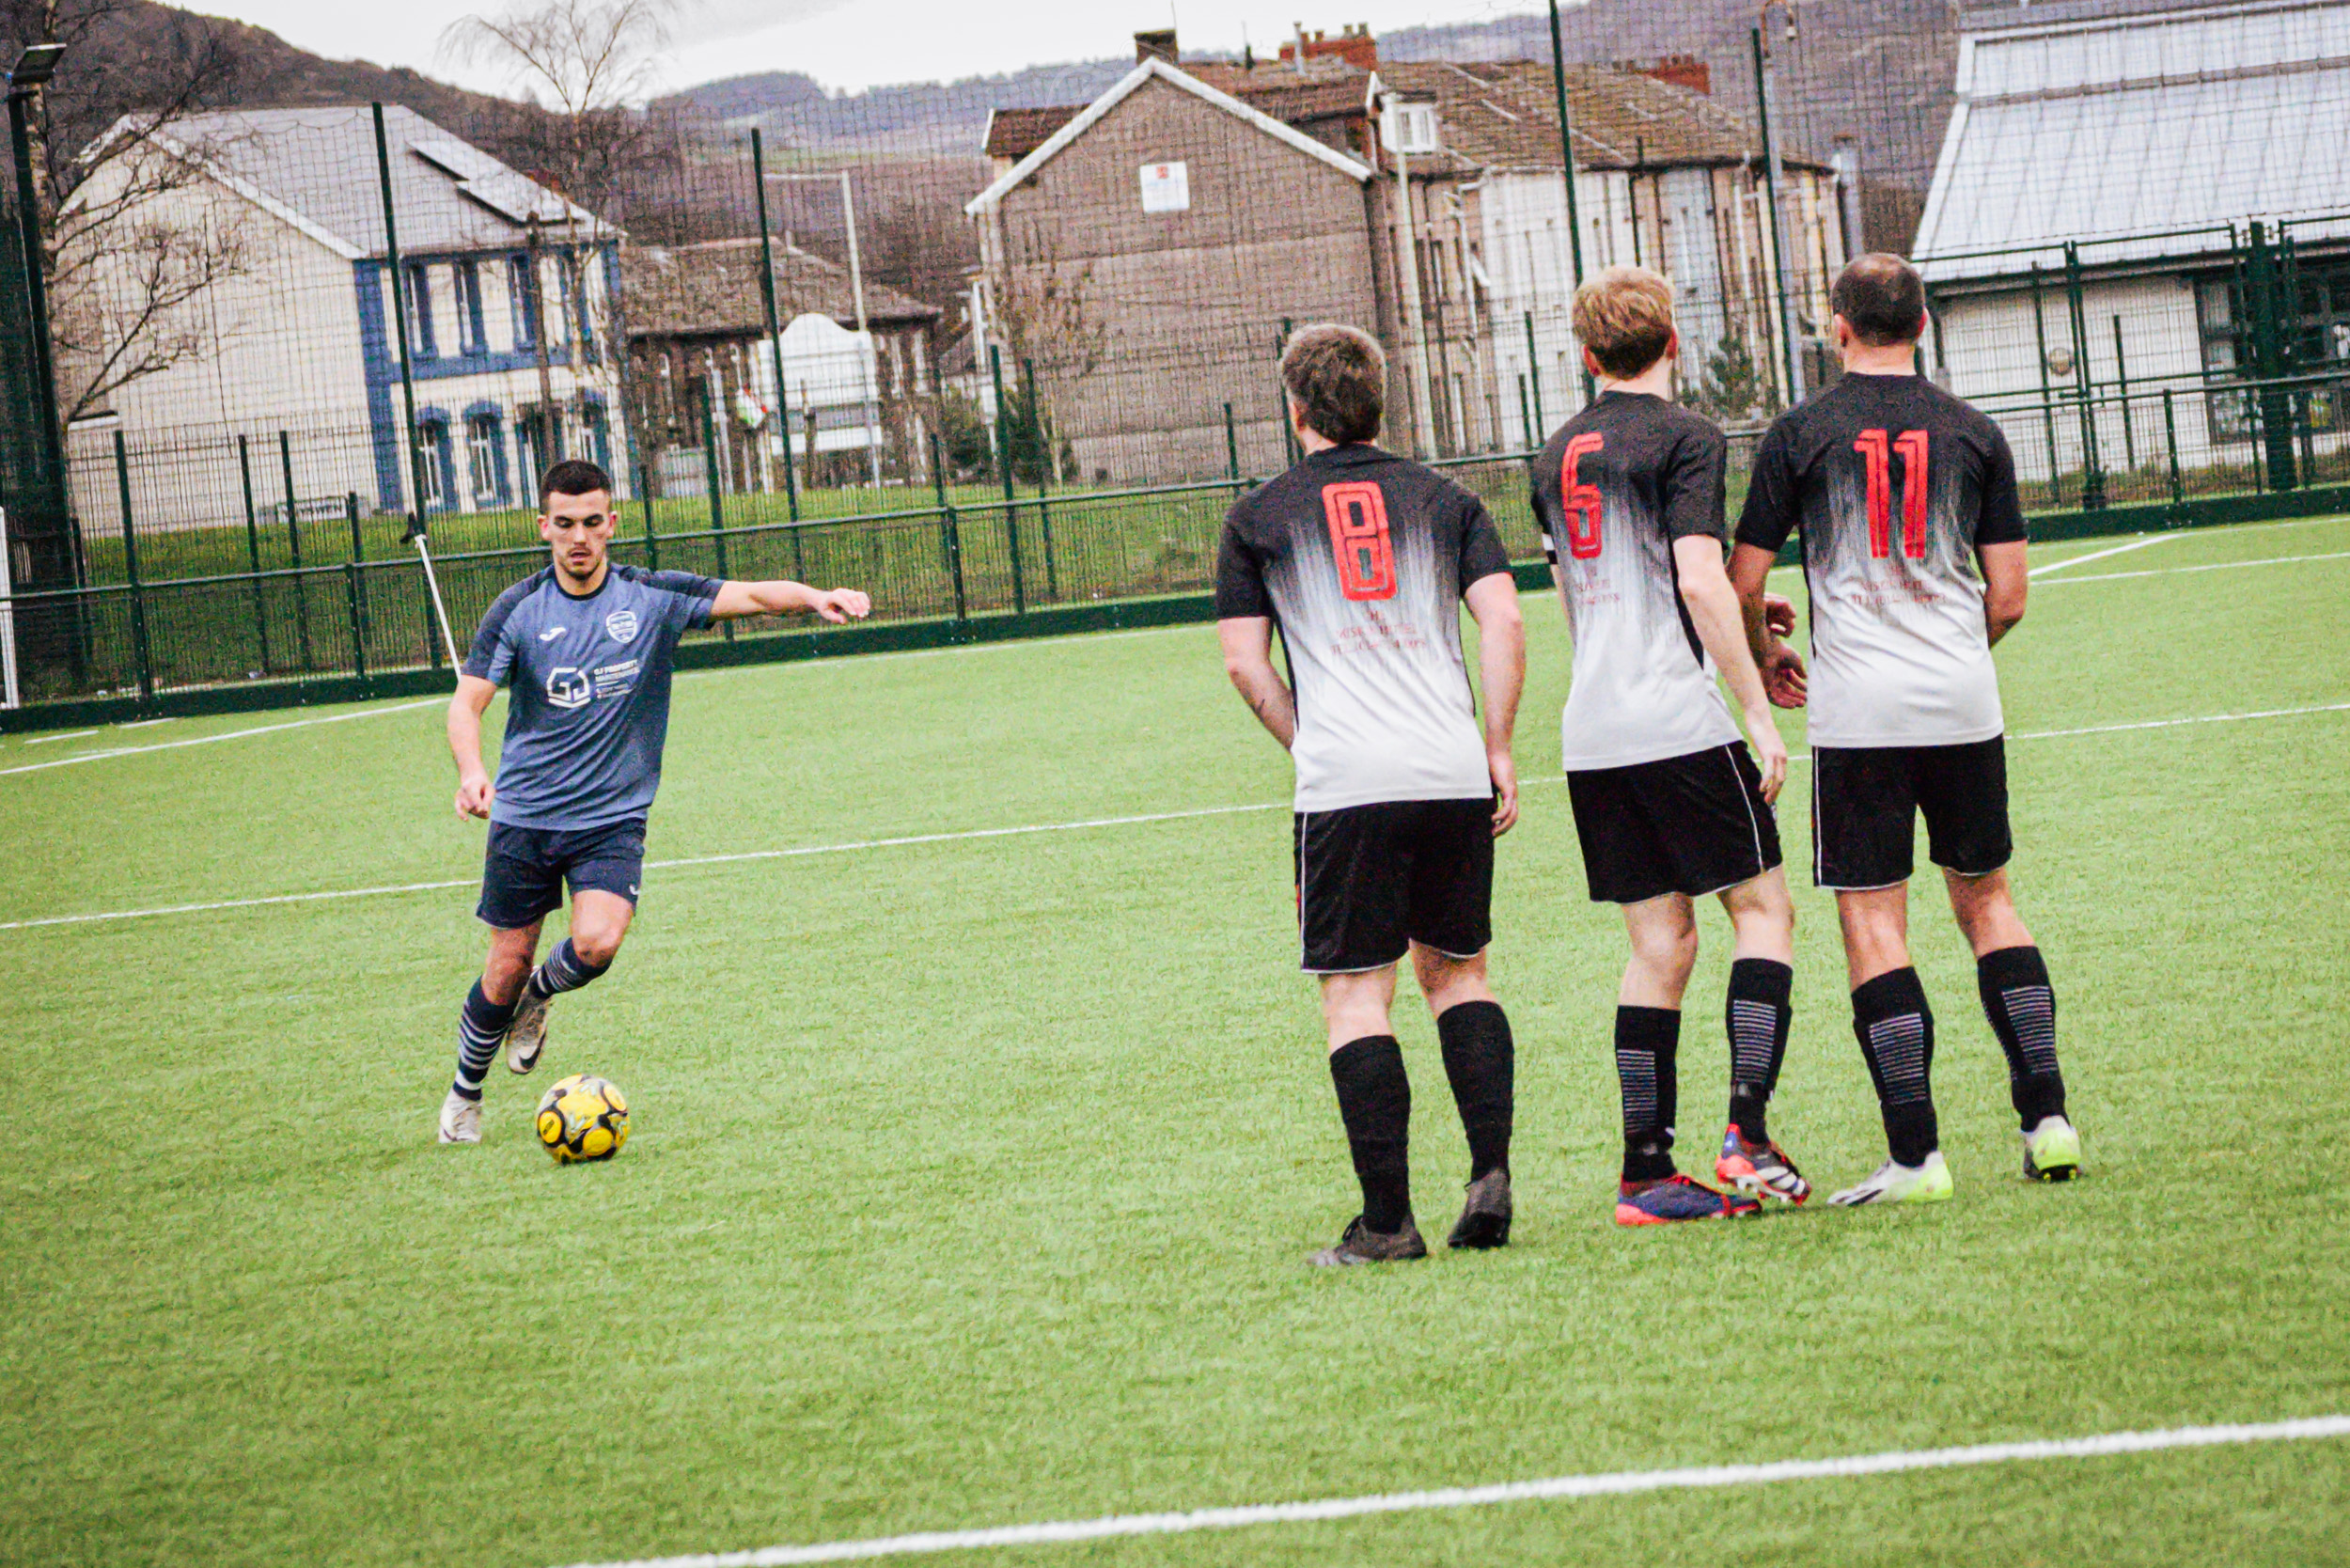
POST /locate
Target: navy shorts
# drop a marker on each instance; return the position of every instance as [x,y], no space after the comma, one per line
[524,868]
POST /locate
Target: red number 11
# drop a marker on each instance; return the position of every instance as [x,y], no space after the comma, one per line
[1875,450]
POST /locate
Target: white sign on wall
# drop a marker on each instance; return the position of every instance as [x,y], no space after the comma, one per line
[1166,187]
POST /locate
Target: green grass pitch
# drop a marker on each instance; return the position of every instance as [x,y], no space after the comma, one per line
[971,1181]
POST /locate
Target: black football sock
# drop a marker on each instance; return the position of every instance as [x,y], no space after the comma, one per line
[1648,1039]
[480,1029]
[1895,1027]
[1481,1060]
[2021,1005]
[564,970]
[1757,1016]
[1376,1102]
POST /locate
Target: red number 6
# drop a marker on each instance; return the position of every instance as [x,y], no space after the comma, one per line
[1584,502]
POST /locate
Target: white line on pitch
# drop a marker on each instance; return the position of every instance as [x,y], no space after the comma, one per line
[67,736]
[207,740]
[961,835]
[2207,566]
[2101,554]
[1616,1483]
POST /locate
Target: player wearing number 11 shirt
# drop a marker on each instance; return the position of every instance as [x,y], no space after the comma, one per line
[1913,547]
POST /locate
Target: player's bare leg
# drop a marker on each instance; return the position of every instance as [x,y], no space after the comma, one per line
[2020,1003]
[1895,1028]
[1757,1015]
[1480,1060]
[599,923]
[1375,1102]
[488,1016]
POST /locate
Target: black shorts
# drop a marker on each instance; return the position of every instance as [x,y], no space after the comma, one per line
[1693,824]
[524,868]
[1371,880]
[1865,802]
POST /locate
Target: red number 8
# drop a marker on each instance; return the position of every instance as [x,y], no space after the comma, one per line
[1357,514]
[1584,502]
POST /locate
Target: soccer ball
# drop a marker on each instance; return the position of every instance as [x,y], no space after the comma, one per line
[583,1117]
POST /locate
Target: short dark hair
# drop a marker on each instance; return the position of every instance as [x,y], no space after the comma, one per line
[1339,377]
[1882,298]
[572,477]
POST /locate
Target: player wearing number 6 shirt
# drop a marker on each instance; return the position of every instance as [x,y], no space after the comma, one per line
[1362,560]
[1913,546]
[1668,804]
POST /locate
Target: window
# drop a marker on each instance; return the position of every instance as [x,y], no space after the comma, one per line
[434,464]
[1409,127]
[531,444]
[420,291]
[485,460]
[524,292]
[2317,340]
[598,431]
[472,335]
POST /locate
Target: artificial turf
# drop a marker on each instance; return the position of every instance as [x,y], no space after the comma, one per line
[971,1181]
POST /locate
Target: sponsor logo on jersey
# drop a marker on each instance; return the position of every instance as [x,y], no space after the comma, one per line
[569,687]
[615,678]
[623,626]
[552,632]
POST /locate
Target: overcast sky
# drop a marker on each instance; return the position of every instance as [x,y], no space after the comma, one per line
[855,43]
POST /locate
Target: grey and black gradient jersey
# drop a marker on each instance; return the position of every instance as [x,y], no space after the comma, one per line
[1614,489]
[1895,484]
[1360,559]
[588,708]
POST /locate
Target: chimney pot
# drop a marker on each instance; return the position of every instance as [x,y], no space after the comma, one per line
[1158,45]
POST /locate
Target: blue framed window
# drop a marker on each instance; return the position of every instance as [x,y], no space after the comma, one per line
[420,289]
[485,458]
[471,331]
[596,427]
[439,468]
[531,444]
[522,290]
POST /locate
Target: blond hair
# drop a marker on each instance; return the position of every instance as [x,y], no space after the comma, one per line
[1624,316]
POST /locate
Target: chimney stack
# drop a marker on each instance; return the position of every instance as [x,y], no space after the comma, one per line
[1355,44]
[1157,45]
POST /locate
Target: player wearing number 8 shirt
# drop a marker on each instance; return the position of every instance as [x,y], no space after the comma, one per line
[1363,560]
[1668,804]
[1913,548]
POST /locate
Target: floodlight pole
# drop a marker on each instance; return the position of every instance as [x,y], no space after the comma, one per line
[1772,175]
[1566,160]
[775,331]
[28,77]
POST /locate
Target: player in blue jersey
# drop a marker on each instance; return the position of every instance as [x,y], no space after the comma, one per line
[585,649]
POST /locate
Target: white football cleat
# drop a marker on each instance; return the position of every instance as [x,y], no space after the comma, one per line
[526,1036]
[2052,1151]
[1894,1182]
[460,1120]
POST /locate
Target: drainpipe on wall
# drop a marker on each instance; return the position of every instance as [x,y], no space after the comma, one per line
[1415,324]
[1846,162]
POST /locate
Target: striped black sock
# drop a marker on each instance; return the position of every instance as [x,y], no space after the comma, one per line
[564,970]
[2021,1005]
[1481,1059]
[1648,1039]
[1758,1017]
[480,1029]
[1895,1028]
[1376,1102]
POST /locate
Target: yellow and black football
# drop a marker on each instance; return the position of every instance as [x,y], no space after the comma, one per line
[583,1117]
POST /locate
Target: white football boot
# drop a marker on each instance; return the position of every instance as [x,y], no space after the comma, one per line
[1894,1182]
[2052,1151]
[526,1036]
[460,1120]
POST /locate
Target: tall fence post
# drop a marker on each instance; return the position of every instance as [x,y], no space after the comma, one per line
[710,487]
[2171,440]
[293,547]
[949,536]
[1003,463]
[400,321]
[1044,481]
[355,591]
[2121,380]
[2048,393]
[2270,363]
[2092,463]
[1290,449]
[139,651]
[253,549]
[1232,451]
[775,331]
[653,535]
[1534,377]
[1525,414]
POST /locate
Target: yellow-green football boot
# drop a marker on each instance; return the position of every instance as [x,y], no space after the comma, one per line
[2052,1151]
[1895,1183]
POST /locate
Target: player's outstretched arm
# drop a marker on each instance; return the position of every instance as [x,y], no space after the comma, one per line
[2006,581]
[1768,618]
[1248,660]
[1715,610]
[736,600]
[475,793]
[1501,664]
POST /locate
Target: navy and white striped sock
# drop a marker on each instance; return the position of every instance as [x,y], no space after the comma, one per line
[1895,1028]
[2021,1005]
[563,970]
[481,1028]
[1757,1016]
[1647,1042]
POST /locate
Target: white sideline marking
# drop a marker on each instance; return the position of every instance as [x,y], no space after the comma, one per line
[68,735]
[1618,1483]
[2138,544]
[2207,566]
[962,834]
[207,740]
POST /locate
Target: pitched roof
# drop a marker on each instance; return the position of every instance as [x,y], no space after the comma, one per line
[1504,114]
[1016,133]
[1184,82]
[2132,129]
[712,289]
[317,169]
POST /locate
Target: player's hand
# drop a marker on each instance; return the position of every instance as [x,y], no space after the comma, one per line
[841,604]
[475,794]
[1785,679]
[1504,769]
[1770,753]
[1778,614]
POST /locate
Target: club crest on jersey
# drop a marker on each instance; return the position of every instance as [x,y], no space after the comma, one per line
[568,687]
[623,626]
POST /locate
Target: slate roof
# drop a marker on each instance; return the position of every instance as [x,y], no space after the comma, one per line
[712,289]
